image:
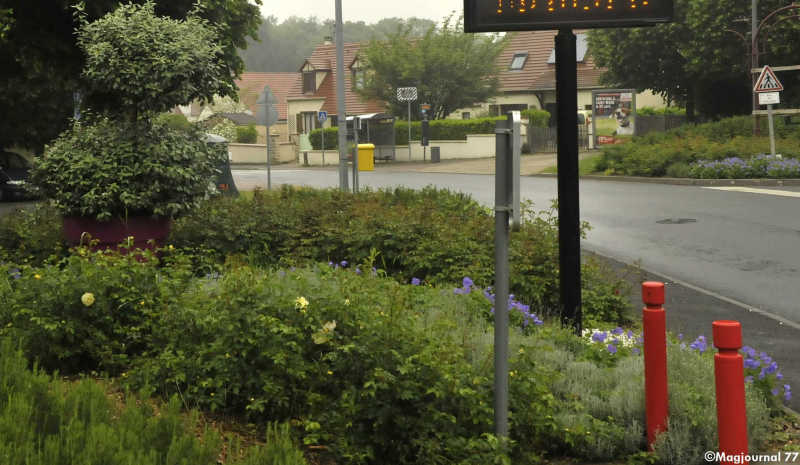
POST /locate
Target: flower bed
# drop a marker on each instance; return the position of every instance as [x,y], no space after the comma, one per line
[761,166]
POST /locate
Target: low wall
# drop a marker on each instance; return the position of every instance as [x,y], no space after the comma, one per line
[476,146]
[256,154]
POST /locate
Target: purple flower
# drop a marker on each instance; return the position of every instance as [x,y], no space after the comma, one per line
[779,375]
[680,337]
[748,379]
[358,270]
[635,351]
[751,364]
[15,273]
[344,263]
[787,396]
[599,337]
[467,283]
[612,349]
[630,334]
[330,263]
[775,391]
[683,345]
[762,375]
[617,331]
[415,282]
[282,274]
[292,269]
[771,368]
[615,341]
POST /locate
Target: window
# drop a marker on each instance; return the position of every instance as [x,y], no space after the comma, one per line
[518,62]
[587,107]
[582,48]
[309,81]
[11,160]
[334,121]
[358,79]
[465,115]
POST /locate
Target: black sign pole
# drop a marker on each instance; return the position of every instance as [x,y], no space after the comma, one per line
[569,226]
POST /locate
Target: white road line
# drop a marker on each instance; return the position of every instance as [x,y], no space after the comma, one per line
[756,191]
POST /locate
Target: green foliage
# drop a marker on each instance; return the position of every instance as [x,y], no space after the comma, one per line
[691,60]
[225,129]
[38,77]
[653,111]
[247,134]
[178,122]
[652,154]
[450,68]
[678,170]
[45,421]
[537,118]
[102,169]
[148,63]
[433,235]
[445,129]
[31,235]
[692,425]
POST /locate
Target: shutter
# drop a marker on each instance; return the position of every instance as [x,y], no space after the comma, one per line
[300,123]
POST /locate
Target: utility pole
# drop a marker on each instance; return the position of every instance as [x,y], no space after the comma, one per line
[754,63]
[343,184]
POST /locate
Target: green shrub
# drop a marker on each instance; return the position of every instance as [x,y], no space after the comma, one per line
[44,421]
[179,122]
[433,235]
[247,134]
[653,111]
[445,129]
[225,129]
[31,235]
[678,170]
[537,118]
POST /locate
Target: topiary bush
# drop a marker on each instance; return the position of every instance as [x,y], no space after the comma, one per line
[225,129]
[537,118]
[247,134]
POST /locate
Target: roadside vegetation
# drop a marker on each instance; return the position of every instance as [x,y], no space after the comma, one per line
[374,345]
[723,149]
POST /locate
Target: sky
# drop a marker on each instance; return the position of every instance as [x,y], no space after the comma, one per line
[369,11]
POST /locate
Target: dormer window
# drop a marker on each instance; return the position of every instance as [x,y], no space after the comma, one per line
[518,62]
[309,81]
[358,78]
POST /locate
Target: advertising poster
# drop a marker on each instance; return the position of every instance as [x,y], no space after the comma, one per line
[614,116]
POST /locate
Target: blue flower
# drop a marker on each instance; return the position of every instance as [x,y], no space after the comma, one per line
[612,349]
[779,375]
[751,364]
[762,375]
[15,273]
[635,351]
[599,337]
[771,368]
[415,281]
[748,379]
[617,331]
[630,334]
[467,283]
[680,337]
[358,270]
[615,341]
[344,263]
[775,391]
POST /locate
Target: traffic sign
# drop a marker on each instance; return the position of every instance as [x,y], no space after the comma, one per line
[267,116]
[406,94]
[267,97]
[769,98]
[768,82]
[322,116]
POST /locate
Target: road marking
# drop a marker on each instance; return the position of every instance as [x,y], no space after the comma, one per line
[743,305]
[757,191]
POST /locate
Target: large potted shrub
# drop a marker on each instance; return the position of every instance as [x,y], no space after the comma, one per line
[122,171]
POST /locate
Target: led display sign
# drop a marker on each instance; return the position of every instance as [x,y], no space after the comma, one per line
[528,15]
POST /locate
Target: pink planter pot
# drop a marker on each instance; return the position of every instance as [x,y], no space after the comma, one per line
[111,233]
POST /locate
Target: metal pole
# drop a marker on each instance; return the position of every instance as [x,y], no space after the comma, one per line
[409,131]
[501,265]
[269,161]
[754,62]
[771,132]
[355,155]
[569,225]
[323,144]
[340,98]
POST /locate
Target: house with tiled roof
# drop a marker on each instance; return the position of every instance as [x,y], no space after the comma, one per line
[250,87]
[528,77]
[315,90]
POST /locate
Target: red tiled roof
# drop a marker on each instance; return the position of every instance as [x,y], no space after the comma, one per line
[280,83]
[324,59]
[537,74]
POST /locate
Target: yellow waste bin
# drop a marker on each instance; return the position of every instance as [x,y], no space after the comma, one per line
[366,157]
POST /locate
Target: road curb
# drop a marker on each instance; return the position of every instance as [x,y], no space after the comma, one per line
[685,181]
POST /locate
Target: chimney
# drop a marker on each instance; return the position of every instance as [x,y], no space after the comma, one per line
[328,40]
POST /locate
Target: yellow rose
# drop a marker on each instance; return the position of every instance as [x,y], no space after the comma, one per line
[38,277]
[88,299]
[330,372]
[300,302]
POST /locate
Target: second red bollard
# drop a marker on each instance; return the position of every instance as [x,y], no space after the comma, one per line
[655,360]
[731,406]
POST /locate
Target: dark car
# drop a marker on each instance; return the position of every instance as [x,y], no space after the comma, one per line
[14,171]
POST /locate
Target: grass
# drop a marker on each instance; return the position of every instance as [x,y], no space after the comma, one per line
[585,166]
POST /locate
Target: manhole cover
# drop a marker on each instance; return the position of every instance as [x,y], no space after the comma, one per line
[677,221]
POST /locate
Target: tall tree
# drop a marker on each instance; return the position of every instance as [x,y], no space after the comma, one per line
[450,69]
[691,61]
[41,63]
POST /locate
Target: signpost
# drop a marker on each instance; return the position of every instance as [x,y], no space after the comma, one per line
[768,88]
[407,94]
[426,130]
[78,100]
[267,116]
[504,16]
[322,116]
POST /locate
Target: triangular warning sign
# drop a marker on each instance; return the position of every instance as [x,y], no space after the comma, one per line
[768,82]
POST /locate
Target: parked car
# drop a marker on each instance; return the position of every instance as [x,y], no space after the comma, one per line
[14,170]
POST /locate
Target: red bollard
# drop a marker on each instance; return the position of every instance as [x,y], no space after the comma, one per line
[731,407]
[655,360]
